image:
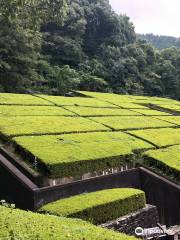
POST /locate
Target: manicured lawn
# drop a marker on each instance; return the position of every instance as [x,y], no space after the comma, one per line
[75,154]
[98,207]
[21,225]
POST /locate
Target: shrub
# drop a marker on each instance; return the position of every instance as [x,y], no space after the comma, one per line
[75,154]
[98,207]
[21,225]
[167,160]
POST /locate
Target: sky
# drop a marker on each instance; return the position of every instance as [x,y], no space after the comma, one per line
[161,17]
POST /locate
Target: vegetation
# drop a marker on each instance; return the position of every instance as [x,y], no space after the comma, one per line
[160,42]
[21,99]
[98,207]
[171,119]
[167,160]
[149,112]
[18,224]
[160,137]
[10,110]
[133,122]
[38,125]
[76,154]
[76,101]
[81,44]
[90,111]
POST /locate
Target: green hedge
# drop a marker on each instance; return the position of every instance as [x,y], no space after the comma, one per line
[76,154]
[167,160]
[98,207]
[21,225]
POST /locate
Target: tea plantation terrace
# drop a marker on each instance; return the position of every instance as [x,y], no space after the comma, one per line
[74,137]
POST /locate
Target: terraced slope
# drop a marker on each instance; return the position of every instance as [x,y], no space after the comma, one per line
[18,224]
[70,136]
[98,207]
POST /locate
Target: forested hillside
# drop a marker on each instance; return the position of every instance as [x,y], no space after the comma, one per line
[56,46]
[160,42]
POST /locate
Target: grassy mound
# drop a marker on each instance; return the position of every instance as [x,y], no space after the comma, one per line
[21,225]
[167,160]
[98,207]
[75,154]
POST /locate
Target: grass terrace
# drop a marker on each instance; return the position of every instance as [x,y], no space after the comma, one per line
[77,101]
[18,224]
[21,99]
[167,160]
[76,154]
[8,111]
[98,207]
[160,137]
[133,122]
[84,111]
[20,125]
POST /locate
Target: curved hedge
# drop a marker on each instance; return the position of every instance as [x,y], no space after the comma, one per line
[98,207]
[21,225]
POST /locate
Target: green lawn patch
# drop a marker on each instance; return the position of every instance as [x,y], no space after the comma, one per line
[21,99]
[160,137]
[98,207]
[131,122]
[9,110]
[89,111]
[76,154]
[15,126]
[18,224]
[166,160]
[76,101]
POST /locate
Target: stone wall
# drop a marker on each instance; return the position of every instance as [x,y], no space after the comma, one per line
[145,218]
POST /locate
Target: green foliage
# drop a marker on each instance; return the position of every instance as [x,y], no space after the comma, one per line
[160,137]
[133,122]
[167,160]
[38,125]
[149,112]
[90,111]
[10,110]
[22,99]
[171,119]
[18,224]
[98,207]
[76,154]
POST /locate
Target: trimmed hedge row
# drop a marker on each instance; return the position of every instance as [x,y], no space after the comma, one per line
[76,154]
[98,207]
[17,126]
[21,225]
[10,110]
[131,122]
[166,160]
[160,137]
[22,99]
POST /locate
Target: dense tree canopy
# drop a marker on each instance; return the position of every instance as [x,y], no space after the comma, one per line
[54,46]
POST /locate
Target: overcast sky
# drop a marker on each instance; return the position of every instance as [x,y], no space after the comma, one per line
[160,17]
